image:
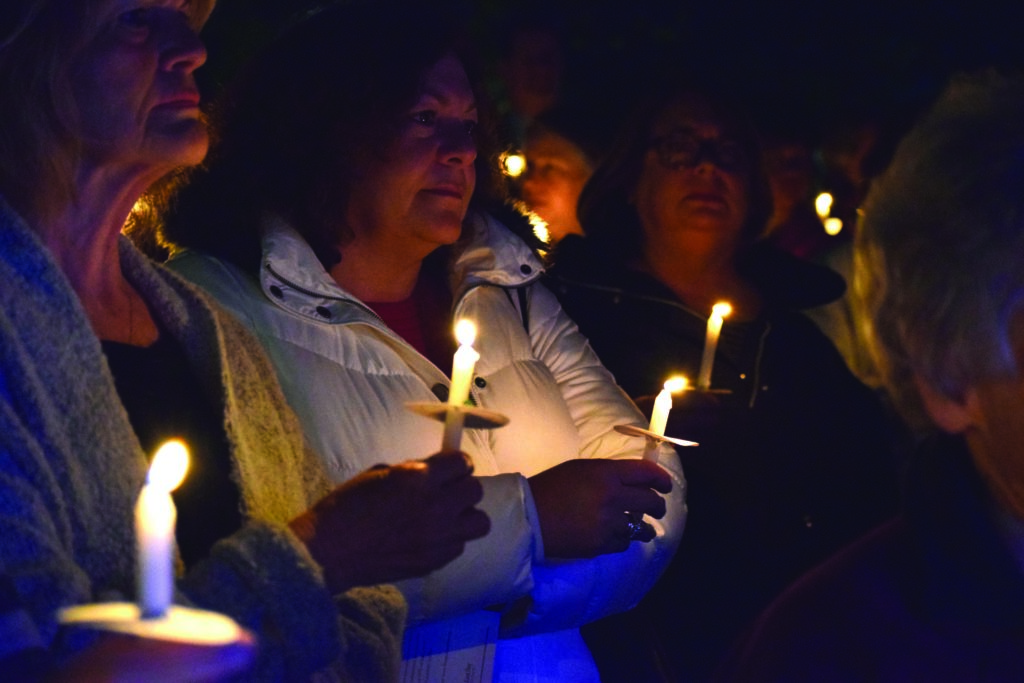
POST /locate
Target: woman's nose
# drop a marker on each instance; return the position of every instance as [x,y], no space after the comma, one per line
[182,48]
[458,144]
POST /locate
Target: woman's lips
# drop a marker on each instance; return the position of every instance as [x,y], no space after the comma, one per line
[188,100]
[706,198]
[446,191]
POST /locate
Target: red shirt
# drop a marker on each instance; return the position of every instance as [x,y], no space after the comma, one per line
[424,318]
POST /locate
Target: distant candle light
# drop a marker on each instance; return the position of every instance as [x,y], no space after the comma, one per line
[823,205]
[833,226]
[513,164]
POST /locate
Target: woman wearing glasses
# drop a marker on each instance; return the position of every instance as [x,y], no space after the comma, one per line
[794,456]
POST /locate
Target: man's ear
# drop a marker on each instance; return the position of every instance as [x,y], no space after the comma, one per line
[950,415]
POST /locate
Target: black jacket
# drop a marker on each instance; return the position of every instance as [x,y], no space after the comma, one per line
[933,595]
[794,461]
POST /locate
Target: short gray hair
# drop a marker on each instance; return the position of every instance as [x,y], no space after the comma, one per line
[940,249]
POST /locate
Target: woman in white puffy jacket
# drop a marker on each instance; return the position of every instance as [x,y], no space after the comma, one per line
[334,219]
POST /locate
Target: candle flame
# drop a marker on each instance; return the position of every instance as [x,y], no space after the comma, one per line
[721,309]
[676,384]
[465,332]
[823,205]
[169,466]
[833,226]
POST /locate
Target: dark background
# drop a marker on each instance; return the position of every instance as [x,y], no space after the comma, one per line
[803,65]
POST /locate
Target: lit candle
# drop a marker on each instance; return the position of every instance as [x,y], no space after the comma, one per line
[718,313]
[663,404]
[659,416]
[154,529]
[462,376]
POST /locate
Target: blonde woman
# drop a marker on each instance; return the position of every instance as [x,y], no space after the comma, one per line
[104,354]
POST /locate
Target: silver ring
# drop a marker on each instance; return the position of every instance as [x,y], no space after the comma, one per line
[635,526]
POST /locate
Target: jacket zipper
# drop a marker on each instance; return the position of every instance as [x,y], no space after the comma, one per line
[757,363]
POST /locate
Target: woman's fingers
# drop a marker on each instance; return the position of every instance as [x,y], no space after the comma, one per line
[641,500]
[445,467]
[582,504]
[643,473]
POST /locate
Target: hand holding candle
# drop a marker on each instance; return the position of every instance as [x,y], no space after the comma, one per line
[718,314]
[155,518]
[462,376]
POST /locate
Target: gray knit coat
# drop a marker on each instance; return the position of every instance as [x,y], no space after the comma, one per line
[71,470]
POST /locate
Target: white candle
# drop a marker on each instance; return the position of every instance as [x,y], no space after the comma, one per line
[663,404]
[462,376]
[718,313]
[659,416]
[154,528]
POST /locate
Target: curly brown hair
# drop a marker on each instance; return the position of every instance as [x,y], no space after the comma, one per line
[290,134]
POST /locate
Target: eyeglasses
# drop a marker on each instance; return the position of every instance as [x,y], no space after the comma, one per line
[680,149]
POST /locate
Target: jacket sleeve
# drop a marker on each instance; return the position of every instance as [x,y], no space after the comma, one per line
[37,533]
[65,504]
[38,561]
[35,563]
[261,576]
[570,593]
[494,570]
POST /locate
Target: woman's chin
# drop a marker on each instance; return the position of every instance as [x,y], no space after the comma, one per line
[443,229]
[182,145]
[712,220]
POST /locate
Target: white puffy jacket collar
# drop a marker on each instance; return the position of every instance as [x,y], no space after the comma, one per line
[489,253]
[292,277]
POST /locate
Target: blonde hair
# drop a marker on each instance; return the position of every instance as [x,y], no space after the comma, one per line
[39,147]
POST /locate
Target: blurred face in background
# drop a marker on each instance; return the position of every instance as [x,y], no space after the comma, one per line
[790,170]
[556,171]
[695,180]
[532,71]
[133,86]
[413,197]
